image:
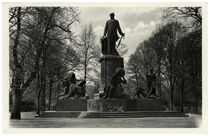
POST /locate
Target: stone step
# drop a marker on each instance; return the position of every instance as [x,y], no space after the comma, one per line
[140,116]
[133,114]
[72,114]
[121,113]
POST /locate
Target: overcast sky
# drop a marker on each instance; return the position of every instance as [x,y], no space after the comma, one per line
[137,23]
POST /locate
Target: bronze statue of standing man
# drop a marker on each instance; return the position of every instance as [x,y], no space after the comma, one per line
[111,28]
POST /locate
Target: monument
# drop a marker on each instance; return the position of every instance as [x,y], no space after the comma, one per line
[112,72]
[111,101]
[111,94]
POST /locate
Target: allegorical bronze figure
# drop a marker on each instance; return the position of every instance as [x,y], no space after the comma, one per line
[71,89]
[115,89]
[139,91]
[110,35]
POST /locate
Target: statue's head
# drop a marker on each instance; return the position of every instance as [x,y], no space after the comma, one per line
[112,15]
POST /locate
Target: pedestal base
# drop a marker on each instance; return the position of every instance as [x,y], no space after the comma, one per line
[109,63]
[72,105]
[107,105]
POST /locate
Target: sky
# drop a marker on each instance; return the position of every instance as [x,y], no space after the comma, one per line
[137,23]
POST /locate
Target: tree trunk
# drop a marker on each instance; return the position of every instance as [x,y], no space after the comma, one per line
[182,96]
[172,95]
[197,81]
[50,93]
[85,76]
[43,81]
[172,98]
[196,103]
[17,94]
[16,102]
[85,65]
[159,78]
[39,93]
[171,78]
[38,102]
[42,92]
[137,81]
[18,75]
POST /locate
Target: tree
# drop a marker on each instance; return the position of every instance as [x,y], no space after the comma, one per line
[61,60]
[30,33]
[168,51]
[188,45]
[174,52]
[140,63]
[133,68]
[160,53]
[191,66]
[193,13]
[87,49]
[18,75]
[59,33]
[171,32]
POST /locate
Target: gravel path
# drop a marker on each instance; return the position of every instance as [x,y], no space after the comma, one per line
[28,121]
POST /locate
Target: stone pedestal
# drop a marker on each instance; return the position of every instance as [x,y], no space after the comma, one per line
[71,105]
[109,63]
[103,105]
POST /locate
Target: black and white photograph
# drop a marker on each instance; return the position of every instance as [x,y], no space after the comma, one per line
[105,65]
